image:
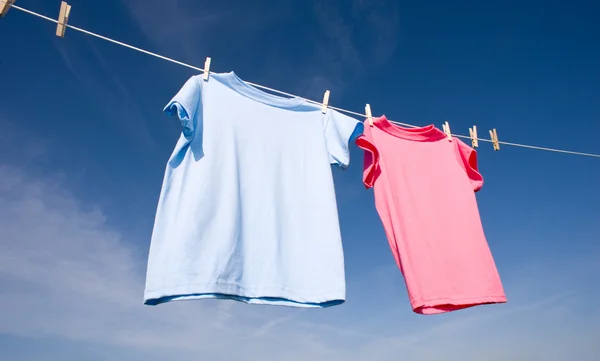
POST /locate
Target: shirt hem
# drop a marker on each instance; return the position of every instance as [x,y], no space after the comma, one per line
[251,295]
[443,305]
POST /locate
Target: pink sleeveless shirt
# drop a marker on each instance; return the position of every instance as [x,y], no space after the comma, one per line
[424,187]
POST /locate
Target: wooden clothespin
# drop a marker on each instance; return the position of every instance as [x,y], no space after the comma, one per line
[5,6]
[63,19]
[369,115]
[446,127]
[474,140]
[494,137]
[325,102]
[207,68]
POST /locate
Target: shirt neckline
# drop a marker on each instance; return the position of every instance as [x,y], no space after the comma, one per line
[233,81]
[427,133]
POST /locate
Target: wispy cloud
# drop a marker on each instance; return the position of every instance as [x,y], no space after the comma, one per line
[166,24]
[186,30]
[346,40]
[97,77]
[66,273]
[354,39]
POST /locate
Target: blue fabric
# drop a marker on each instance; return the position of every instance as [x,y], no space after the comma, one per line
[247,209]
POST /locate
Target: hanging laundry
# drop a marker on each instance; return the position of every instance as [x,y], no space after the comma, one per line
[247,209]
[424,187]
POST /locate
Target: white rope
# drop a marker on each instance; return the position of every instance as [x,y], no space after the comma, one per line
[536,147]
[282,92]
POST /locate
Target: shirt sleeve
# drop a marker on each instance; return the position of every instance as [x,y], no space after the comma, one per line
[468,158]
[185,104]
[371,169]
[340,130]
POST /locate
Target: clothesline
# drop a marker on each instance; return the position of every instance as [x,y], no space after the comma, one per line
[282,92]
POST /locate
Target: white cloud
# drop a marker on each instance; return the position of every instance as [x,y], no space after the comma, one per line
[66,273]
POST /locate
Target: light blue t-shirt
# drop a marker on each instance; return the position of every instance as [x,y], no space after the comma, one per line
[247,209]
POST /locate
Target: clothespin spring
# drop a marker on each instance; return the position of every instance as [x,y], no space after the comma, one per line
[446,128]
[474,139]
[494,138]
[325,102]
[206,68]
[369,114]
[63,19]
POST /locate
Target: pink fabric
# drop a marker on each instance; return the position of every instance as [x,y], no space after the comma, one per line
[425,188]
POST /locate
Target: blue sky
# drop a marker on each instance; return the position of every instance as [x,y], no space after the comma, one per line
[83,146]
